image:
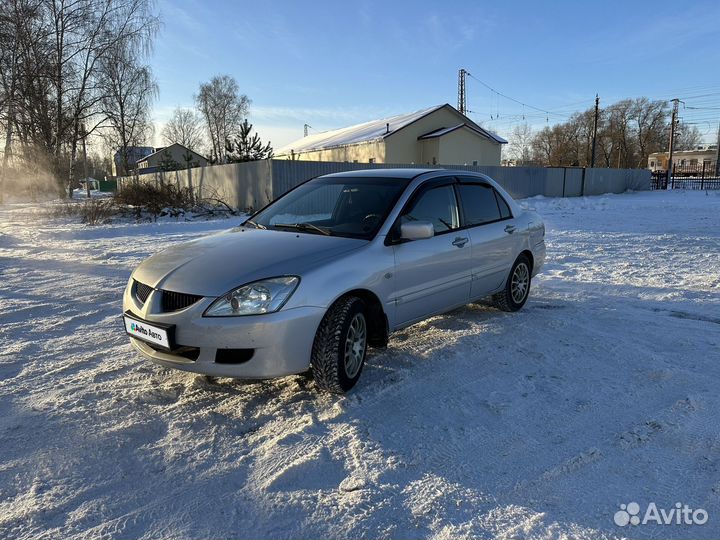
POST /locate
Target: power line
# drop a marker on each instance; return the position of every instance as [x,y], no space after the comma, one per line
[513,99]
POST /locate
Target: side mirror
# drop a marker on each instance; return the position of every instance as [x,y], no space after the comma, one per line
[416,230]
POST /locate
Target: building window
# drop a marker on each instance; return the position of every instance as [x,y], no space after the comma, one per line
[652,164]
[475,163]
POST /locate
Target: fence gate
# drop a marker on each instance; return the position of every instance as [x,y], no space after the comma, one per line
[693,176]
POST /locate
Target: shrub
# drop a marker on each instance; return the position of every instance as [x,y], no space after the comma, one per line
[97,211]
[92,211]
[155,199]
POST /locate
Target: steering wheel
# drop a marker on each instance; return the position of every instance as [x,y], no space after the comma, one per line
[371,217]
[368,219]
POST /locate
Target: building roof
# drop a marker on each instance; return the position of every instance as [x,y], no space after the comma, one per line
[144,150]
[162,149]
[374,130]
[475,129]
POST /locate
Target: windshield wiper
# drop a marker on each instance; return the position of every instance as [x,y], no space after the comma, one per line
[303,227]
[256,225]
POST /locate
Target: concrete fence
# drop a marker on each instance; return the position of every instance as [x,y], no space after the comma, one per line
[254,184]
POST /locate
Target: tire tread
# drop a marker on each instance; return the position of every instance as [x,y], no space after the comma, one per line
[503,300]
[324,361]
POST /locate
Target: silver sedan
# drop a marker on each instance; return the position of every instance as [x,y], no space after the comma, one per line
[332,266]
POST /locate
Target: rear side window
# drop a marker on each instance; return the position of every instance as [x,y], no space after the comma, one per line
[503,205]
[479,204]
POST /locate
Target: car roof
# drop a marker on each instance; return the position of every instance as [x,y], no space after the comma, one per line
[399,172]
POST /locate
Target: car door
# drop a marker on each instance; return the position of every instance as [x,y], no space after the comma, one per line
[433,274]
[495,242]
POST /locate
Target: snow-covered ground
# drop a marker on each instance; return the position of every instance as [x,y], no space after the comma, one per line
[602,391]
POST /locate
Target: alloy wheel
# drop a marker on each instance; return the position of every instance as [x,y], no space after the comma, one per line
[520,283]
[355,343]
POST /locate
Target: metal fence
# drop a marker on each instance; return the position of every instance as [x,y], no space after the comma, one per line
[685,180]
[254,184]
[520,182]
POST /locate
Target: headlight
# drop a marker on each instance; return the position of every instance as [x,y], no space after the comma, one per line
[264,296]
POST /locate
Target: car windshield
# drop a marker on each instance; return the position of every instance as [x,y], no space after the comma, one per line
[341,206]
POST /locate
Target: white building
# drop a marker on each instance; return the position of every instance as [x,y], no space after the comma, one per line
[439,135]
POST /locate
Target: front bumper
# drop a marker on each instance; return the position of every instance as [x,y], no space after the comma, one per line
[281,342]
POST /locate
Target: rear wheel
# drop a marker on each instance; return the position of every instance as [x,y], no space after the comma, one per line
[517,287]
[338,353]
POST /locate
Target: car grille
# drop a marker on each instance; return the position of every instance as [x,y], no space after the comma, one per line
[169,300]
[174,301]
[142,291]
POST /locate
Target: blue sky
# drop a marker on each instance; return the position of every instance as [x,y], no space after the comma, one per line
[331,64]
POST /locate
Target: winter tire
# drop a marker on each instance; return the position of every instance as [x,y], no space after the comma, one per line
[338,352]
[517,287]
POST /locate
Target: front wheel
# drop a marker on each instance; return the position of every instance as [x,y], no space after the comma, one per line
[517,287]
[338,353]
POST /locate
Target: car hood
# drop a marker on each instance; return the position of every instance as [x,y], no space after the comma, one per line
[214,265]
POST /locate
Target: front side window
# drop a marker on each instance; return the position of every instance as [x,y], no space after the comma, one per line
[350,207]
[436,205]
[481,204]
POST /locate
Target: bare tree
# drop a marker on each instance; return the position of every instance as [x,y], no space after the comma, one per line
[111,25]
[184,127]
[521,144]
[25,93]
[628,131]
[687,137]
[552,146]
[129,93]
[51,84]
[223,108]
[650,122]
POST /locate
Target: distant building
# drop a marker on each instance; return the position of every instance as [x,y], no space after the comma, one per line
[439,135]
[134,153]
[94,183]
[170,158]
[687,159]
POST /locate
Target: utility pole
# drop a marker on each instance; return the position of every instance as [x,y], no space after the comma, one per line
[462,103]
[673,121]
[597,112]
[305,129]
[717,155]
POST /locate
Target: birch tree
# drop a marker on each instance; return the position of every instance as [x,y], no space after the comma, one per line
[223,109]
[184,127]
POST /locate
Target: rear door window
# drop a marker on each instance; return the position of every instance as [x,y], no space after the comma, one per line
[479,204]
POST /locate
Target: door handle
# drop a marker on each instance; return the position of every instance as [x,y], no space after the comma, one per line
[459,241]
[510,229]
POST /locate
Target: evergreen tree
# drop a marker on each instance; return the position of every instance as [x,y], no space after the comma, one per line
[167,163]
[247,146]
